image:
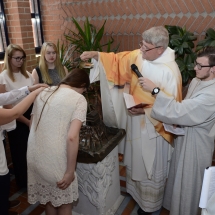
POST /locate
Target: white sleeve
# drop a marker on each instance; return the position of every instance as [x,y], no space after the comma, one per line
[80,110]
[94,72]
[189,112]
[13,96]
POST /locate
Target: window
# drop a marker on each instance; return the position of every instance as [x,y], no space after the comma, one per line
[4,41]
[36,24]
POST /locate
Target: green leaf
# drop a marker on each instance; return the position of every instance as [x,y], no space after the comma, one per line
[198,48]
[192,73]
[192,38]
[190,66]
[100,33]
[175,42]
[190,58]
[191,45]
[81,32]
[171,29]
[202,42]
[212,43]
[180,50]
[175,36]
[211,33]
[185,78]
[185,45]
[208,42]
[87,31]
[181,64]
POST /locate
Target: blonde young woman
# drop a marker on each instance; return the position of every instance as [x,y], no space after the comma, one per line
[15,76]
[50,69]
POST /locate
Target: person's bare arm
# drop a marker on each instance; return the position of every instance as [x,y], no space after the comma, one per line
[72,151]
[85,56]
[3,90]
[24,120]
[35,76]
[8,115]
[21,118]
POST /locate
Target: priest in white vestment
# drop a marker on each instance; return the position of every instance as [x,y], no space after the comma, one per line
[147,148]
[193,152]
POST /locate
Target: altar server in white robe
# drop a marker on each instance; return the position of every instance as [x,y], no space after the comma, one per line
[194,151]
[147,149]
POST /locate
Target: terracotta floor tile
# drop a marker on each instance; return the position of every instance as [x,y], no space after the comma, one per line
[23,199]
[25,195]
[164,212]
[41,208]
[122,171]
[127,211]
[131,204]
[122,183]
[120,156]
[120,167]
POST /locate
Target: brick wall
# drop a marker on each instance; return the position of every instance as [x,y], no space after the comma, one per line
[127,19]
[18,19]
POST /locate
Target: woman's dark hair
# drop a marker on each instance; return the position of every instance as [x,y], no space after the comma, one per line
[77,78]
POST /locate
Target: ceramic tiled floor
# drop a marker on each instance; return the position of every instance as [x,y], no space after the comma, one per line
[128,206]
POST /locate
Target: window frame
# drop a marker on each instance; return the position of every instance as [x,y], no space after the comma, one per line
[37,16]
[3,20]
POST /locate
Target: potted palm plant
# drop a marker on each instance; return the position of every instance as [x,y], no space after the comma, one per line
[95,137]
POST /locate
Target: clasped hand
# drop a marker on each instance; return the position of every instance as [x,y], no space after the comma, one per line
[68,178]
[146,84]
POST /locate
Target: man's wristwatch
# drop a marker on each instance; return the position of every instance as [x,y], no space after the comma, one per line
[156,90]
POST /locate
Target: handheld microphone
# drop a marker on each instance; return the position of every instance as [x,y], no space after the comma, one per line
[136,70]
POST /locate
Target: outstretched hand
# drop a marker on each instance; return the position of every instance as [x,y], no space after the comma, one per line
[146,84]
[38,90]
[68,178]
[36,86]
[85,56]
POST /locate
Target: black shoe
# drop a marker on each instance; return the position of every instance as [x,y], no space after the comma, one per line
[142,212]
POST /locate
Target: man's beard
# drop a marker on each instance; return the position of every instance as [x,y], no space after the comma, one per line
[206,76]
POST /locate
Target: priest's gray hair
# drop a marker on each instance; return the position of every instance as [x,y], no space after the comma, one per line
[157,36]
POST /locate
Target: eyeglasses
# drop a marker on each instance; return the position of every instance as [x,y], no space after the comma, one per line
[18,59]
[201,66]
[146,50]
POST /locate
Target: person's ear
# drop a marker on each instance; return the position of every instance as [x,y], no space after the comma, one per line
[213,69]
[160,50]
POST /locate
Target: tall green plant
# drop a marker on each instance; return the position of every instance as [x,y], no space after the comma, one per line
[181,41]
[87,38]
